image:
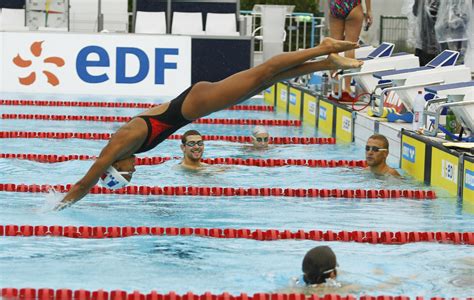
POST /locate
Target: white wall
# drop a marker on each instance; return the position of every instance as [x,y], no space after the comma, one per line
[84,15]
[115,15]
[380,7]
[469,58]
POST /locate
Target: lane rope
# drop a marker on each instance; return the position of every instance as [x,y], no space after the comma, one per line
[82,294]
[358,236]
[113,104]
[156,160]
[124,119]
[106,136]
[230,191]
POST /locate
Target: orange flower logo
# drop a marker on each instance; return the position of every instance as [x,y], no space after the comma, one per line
[36,49]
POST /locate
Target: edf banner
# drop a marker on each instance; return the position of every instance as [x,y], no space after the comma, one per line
[106,64]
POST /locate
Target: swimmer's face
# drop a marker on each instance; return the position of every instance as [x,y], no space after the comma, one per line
[193,148]
[126,165]
[260,141]
[377,154]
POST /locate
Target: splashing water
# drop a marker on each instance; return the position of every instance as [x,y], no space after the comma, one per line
[52,199]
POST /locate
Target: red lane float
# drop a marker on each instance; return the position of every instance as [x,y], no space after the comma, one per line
[106,136]
[123,119]
[114,104]
[230,191]
[155,160]
[69,294]
[371,237]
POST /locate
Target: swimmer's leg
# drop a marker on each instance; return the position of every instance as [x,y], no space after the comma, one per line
[333,62]
[205,97]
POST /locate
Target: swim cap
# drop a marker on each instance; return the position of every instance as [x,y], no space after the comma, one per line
[112,179]
[259,130]
[318,264]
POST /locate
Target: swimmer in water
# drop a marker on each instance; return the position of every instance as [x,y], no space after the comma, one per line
[320,273]
[376,153]
[115,164]
[260,137]
[319,265]
[192,146]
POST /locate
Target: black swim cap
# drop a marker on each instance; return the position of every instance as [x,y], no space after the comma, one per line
[316,264]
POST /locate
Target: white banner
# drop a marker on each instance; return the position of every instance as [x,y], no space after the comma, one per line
[105,64]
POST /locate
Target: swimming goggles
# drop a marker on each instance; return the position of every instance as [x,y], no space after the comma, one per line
[329,271]
[259,139]
[374,148]
[194,143]
[129,173]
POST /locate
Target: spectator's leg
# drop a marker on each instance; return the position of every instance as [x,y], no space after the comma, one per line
[353,27]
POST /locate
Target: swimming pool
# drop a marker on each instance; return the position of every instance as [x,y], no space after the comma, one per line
[200,264]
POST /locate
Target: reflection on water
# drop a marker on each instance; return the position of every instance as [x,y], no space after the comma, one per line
[177,249]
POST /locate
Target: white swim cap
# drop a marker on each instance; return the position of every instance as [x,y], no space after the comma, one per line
[259,130]
[112,179]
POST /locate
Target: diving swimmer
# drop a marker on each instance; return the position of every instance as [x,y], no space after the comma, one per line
[115,164]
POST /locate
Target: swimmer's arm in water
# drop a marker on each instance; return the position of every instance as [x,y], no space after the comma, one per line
[81,188]
[122,142]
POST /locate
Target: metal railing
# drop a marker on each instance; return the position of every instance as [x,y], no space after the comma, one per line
[394,29]
[303,30]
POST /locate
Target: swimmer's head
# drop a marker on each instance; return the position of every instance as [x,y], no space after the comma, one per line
[192,145]
[319,264]
[260,137]
[376,150]
[119,174]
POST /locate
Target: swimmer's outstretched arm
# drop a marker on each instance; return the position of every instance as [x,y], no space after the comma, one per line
[81,188]
[123,142]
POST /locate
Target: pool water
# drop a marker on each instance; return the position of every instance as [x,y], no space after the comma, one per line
[197,264]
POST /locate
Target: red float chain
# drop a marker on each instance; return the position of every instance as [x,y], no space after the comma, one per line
[69,294]
[124,119]
[230,191]
[372,237]
[106,136]
[156,160]
[114,104]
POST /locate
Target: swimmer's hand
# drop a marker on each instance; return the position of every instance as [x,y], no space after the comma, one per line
[75,194]
[63,204]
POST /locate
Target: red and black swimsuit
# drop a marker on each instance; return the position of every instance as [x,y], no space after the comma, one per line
[163,125]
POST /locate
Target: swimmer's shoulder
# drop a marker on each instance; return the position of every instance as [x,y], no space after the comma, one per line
[394,173]
[202,166]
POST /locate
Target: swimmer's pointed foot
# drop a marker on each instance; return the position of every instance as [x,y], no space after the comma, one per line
[340,62]
[335,46]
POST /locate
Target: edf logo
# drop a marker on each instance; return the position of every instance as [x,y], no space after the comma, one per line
[84,62]
[292,99]
[469,179]
[408,152]
[322,112]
